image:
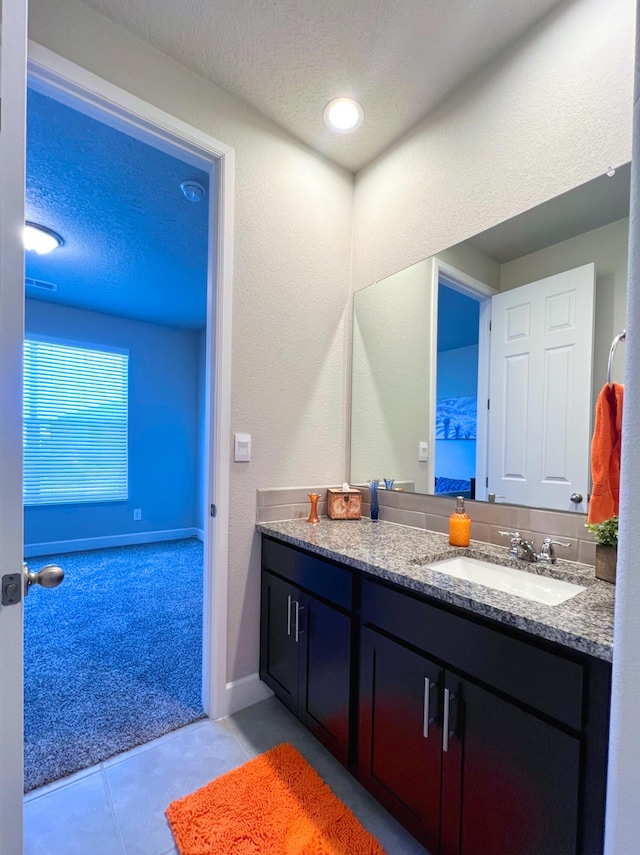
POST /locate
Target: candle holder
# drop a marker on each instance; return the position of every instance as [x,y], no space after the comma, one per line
[313,513]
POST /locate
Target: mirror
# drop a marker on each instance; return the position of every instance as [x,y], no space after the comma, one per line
[409,421]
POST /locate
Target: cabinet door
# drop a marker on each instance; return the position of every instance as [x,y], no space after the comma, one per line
[278,647]
[400,735]
[325,671]
[510,780]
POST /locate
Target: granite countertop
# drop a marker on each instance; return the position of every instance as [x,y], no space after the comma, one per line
[398,554]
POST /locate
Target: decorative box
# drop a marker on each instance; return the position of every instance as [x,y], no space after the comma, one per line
[344,504]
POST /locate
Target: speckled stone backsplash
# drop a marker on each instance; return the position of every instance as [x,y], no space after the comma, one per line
[432,513]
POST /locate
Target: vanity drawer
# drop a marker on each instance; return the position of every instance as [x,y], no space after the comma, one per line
[549,683]
[320,577]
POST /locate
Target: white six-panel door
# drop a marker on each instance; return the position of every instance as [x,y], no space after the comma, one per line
[540,391]
[12,156]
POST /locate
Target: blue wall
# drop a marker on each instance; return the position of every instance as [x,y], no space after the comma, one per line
[457,376]
[165,411]
[457,372]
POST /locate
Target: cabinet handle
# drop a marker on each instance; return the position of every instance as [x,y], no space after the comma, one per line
[445,721]
[425,708]
[289,615]
[298,610]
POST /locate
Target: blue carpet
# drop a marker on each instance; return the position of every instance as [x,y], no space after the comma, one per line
[113,656]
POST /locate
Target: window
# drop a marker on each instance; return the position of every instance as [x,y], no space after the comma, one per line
[75,423]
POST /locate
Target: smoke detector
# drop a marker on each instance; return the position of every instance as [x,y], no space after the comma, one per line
[193,191]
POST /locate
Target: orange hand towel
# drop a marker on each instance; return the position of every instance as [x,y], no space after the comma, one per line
[605,454]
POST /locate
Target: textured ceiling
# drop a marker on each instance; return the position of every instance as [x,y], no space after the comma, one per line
[603,200]
[458,319]
[288,58]
[134,246]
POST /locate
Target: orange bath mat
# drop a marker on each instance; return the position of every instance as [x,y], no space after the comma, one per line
[275,804]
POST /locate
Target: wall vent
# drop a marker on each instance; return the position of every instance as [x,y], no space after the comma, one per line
[41,285]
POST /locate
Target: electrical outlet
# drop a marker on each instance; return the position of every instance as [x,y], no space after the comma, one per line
[137,514]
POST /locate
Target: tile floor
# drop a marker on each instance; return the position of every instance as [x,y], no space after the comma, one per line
[117,808]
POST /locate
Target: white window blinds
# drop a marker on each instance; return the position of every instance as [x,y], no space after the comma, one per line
[75,423]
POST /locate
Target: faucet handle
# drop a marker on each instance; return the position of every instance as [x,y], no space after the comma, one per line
[547,551]
[516,540]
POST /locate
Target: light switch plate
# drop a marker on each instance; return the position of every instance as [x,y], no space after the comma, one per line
[242,447]
[423,452]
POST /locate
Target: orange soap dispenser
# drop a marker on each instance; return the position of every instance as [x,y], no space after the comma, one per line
[459,525]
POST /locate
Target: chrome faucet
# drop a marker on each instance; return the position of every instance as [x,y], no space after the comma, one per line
[547,551]
[520,548]
[525,549]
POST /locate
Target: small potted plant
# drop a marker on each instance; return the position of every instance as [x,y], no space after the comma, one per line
[606,535]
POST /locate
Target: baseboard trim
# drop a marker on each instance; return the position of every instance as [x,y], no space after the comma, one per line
[200,534]
[56,547]
[243,693]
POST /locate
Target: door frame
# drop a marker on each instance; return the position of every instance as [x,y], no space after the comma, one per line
[82,90]
[13,36]
[480,291]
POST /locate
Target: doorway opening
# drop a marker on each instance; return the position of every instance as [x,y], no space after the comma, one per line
[456,392]
[171,395]
[459,383]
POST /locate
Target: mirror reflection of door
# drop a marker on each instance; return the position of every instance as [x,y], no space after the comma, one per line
[540,390]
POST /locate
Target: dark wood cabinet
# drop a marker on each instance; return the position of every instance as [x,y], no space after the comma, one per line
[305,656]
[503,781]
[325,674]
[510,780]
[480,739]
[522,747]
[400,733]
[279,648]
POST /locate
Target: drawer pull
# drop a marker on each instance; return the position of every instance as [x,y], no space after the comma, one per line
[426,721]
[450,717]
[445,721]
[289,615]
[298,610]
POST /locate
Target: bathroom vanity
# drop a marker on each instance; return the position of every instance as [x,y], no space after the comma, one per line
[477,717]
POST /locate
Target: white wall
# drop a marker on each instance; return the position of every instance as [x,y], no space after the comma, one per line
[391,370]
[623,817]
[552,113]
[291,286]
[467,259]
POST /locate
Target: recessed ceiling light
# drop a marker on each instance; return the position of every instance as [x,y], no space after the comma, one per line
[343,115]
[193,191]
[40,239]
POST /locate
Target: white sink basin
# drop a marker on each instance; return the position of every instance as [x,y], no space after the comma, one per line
[540,589]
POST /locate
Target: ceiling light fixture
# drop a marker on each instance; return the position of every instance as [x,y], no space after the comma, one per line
[40,239]
[193,191]
[343,115]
